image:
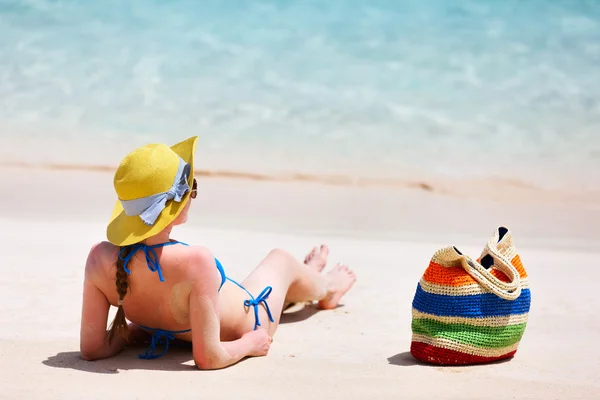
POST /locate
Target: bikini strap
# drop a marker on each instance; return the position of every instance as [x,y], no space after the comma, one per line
[149,252]
[159,336]
[222,272]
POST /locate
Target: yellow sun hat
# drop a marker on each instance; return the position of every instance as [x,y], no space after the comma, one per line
[153,184]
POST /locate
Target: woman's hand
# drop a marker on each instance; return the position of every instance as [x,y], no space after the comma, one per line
[259,342]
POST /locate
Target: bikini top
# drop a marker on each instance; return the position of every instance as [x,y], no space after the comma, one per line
[152,258]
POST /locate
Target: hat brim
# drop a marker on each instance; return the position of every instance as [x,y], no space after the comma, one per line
[124,230]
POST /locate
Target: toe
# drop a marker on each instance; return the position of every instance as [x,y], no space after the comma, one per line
[310,255]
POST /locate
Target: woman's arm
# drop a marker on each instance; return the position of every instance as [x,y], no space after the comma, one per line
[94,315]
[209,351]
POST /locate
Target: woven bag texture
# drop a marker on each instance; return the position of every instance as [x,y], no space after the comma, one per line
[469,311]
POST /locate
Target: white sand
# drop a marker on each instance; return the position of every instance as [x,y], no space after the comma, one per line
[359,350]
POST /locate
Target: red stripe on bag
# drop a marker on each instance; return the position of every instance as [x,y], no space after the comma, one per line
[439,356]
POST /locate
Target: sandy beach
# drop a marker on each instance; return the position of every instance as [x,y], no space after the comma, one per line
[50,218]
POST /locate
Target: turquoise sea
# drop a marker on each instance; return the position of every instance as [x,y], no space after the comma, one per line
[385,88]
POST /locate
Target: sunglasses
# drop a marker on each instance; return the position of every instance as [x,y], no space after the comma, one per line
[194,191]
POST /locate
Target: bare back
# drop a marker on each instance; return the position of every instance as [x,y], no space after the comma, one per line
[165,305]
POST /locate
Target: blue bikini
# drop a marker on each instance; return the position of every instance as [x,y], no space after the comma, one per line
[161,336]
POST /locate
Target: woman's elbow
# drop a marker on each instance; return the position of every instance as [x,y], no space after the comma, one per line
[87,355]
[204,365]
[207,363]
[90,353]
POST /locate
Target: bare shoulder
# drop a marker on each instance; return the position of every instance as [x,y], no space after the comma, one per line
[98,259]
[202,268]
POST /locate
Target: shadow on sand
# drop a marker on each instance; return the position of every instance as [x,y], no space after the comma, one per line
[178,358]
[406,359]
[297,312]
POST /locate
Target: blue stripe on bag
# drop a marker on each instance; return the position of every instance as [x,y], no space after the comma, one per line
[472,306]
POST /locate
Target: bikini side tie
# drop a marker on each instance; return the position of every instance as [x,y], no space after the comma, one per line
[254,302]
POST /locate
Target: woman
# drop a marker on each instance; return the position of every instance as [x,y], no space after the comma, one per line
[174,291]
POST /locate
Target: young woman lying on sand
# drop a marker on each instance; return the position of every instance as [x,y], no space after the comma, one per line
[174,291]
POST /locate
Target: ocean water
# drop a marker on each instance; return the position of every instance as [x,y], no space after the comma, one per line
[385,88]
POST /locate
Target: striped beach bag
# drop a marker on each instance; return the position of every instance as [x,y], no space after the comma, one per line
[469,311]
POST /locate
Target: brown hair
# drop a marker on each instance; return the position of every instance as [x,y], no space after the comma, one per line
[119,325]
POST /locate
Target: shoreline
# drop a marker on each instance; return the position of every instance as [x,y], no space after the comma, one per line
[493,189]
[302,208]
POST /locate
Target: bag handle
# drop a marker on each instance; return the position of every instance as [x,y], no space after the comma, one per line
[503,264]
[506,290]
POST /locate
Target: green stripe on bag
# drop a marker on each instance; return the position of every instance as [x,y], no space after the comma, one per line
[480,336]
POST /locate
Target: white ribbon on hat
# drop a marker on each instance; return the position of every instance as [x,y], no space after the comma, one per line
[149,208]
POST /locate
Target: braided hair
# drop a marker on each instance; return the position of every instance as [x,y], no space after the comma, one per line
[119,325]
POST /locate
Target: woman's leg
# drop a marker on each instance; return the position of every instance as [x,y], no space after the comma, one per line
[293,281]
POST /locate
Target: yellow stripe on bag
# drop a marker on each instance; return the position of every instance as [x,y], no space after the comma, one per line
[514,319]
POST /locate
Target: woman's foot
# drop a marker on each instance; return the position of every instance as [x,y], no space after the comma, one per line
[341,278]
[317,258]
